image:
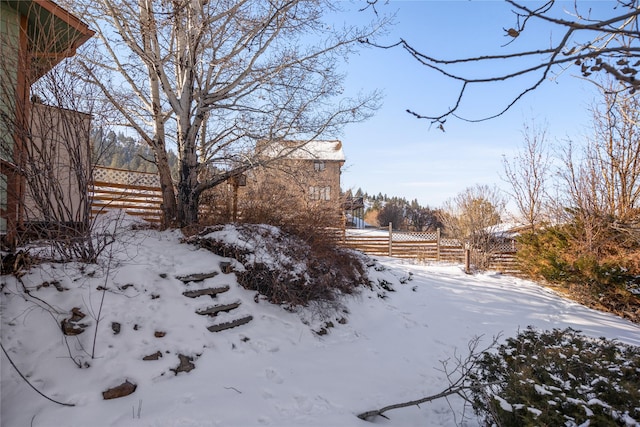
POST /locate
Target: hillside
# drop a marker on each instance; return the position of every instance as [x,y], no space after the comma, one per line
[285,367]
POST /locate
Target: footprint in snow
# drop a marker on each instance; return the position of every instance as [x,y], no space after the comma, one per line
[272,375]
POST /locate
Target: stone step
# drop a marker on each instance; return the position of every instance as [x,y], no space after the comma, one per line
[207,291]
[212,311]
[231,324]
[197,277]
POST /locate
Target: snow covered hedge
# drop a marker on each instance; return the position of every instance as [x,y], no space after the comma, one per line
[283,267]
[559,378]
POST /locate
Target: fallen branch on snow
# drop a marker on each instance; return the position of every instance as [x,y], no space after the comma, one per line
[458,386]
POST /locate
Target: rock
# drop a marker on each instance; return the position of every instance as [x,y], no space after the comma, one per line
[124,389]
[155,356]
[76,314]
[231,324]
[159,334]
[226,267]
[185,364]
[213,311]
[115,327]
[209,291]
[53,283]
[198,277]
[72,325]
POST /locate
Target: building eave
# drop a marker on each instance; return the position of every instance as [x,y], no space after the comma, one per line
[53,33]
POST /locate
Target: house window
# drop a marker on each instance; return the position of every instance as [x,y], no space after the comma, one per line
[318,165]
[320,193]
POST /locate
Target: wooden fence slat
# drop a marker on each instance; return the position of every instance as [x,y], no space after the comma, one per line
[102,184]
[129,199]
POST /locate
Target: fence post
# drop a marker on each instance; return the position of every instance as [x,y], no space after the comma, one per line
[467,258]
[390,239]
[438,244]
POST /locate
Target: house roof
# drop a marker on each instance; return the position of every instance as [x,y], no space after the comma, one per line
[312,150]
[53,33]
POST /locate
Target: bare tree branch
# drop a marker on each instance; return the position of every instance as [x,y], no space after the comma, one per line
[607,45]
[29,383]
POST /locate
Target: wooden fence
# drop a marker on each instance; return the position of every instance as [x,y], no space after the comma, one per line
[427,246]
[136,193]
[139,194]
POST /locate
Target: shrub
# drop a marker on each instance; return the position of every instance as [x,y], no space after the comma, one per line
[286,268]
[604,274]
[540,254]
[563,254]
[559,377]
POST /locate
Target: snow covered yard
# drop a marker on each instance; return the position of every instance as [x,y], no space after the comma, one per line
[383,346]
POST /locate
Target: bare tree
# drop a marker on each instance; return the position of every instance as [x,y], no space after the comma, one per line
[594,44]
[583,200]
[602,180]
[422,218]
[605,179]
[392,212]
[473,217]
[615,148]
[528,172]
[215,77]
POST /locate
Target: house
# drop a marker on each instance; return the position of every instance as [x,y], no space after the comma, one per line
[296,182]
[315,165]
[35,35]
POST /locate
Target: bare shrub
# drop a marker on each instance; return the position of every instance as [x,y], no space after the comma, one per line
[473,217]
[284,267]
[50,163]
[279,195]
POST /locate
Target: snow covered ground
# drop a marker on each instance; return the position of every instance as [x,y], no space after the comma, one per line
[273,371]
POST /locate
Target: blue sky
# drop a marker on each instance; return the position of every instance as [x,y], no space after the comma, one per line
[397,154]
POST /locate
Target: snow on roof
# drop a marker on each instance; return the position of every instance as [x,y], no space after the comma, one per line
[312,150]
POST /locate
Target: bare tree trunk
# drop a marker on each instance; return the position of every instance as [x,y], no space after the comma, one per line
[158,144]
[188,198]
[169,206]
